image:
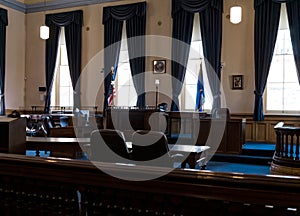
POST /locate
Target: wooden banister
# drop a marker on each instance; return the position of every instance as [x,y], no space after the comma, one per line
[287,152]
[51,186]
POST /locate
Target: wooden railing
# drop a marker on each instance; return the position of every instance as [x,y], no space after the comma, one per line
[286,159]
[50,186]
[35,109]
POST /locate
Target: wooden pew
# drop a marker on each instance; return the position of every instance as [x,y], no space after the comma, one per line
[43,186]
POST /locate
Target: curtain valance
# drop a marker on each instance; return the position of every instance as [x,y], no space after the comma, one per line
[259,2]
[124,12]
[64,19]
[3,16]
[195,6]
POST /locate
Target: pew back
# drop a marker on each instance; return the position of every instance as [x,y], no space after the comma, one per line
[45,186]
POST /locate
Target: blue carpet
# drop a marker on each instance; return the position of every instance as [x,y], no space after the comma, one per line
[239,168]
[218,166]
[259,146]
[42,153]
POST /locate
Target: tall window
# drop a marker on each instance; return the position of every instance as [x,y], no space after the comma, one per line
[62,91]
[125,94]
[283,90]
[194,65]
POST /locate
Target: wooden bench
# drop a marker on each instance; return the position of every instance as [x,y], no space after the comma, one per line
[43,186]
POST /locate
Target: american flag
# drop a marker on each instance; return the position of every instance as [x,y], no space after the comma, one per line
[112,95]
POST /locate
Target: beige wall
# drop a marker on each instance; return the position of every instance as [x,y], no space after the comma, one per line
[238,56]
[15,59]
[237,53]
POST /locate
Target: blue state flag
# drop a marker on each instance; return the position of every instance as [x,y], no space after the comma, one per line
[200,98]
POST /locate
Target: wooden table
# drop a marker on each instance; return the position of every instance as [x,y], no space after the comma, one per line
[58,146]
[72,148]
[193,154]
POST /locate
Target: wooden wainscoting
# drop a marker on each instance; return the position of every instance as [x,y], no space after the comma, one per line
[263,131]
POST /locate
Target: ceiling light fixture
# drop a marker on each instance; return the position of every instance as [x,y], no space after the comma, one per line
[44,30]
[235,14]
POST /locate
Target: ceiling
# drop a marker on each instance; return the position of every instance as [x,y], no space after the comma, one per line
[31,6]
[29,1]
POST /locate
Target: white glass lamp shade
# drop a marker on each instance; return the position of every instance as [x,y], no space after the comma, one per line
[235,14]
[44,32]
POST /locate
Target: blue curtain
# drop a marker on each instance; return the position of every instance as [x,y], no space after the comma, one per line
[182,35]
[73,34]
[112,44]
[267,14]
[293,11]
[211,29]
[3,24]
[72,21]
[135,17]
[135,29]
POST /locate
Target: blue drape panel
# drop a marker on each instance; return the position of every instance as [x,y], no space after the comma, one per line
[135,17]
[112,44]
[211,30]
[293,11]
[182,35]
[51,53]
[72,21]
[3,24]
[135,29]
[73,36]
[267,16]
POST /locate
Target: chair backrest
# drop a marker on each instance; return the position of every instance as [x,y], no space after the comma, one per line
[47,124]
[221,113]
[111,138]
[148,145]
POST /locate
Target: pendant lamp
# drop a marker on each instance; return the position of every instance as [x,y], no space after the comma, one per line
[44,30]
[235,14]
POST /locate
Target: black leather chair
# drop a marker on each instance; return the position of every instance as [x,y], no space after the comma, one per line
[150,145]
[108,145]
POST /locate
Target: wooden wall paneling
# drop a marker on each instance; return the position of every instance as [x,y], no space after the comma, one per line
[250,131]
[261,130]
[272,134]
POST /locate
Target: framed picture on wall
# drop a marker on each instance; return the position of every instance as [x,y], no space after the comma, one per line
[159,66]
[237,82]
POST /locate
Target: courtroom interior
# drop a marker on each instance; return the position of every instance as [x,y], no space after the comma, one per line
[146,107]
